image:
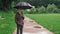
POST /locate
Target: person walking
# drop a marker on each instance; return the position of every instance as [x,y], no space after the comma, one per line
[19,17]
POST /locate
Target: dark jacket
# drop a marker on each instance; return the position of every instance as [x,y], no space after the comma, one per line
[19,18]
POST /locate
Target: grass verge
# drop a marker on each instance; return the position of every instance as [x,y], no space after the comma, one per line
[7,24]
[49,21]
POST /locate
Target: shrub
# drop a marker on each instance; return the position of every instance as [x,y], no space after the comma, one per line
[42,9]
[25,11]
[51,8]
[32,11]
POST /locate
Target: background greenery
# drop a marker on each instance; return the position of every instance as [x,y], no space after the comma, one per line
[8,4]
[51,8]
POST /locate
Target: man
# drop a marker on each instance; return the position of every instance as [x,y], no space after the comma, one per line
[19,21]
[19,15]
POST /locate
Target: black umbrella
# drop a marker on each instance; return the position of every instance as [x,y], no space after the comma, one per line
[23,5]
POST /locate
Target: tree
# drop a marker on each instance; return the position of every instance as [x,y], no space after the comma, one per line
[39,3]
[6,4]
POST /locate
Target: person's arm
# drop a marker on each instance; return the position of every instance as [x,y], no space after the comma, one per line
[23,17]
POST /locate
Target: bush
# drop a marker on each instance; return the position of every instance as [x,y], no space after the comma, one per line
[57,10]
[51,8]
[36,10]
[33,10]
[42,9]
[25,12]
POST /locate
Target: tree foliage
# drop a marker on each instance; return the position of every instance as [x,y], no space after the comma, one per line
[51,8]
[6,4]
[38,3]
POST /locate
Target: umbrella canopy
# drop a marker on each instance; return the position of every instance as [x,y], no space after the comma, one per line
[23,5]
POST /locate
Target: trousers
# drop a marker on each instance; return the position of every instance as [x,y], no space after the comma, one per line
[19,29]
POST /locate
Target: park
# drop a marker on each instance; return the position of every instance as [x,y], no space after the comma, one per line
[45,15]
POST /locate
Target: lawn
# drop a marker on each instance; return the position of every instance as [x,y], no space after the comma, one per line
[49,21]
[7,24]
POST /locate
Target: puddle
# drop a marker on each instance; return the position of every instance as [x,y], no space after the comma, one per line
[31,21]
[37,27]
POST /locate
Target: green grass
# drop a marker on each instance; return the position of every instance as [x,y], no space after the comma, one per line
[49,21]
[7,25]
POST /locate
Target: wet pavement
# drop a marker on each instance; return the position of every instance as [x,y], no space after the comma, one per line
[31,27]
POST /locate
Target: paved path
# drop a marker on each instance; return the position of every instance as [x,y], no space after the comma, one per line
[31,27]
